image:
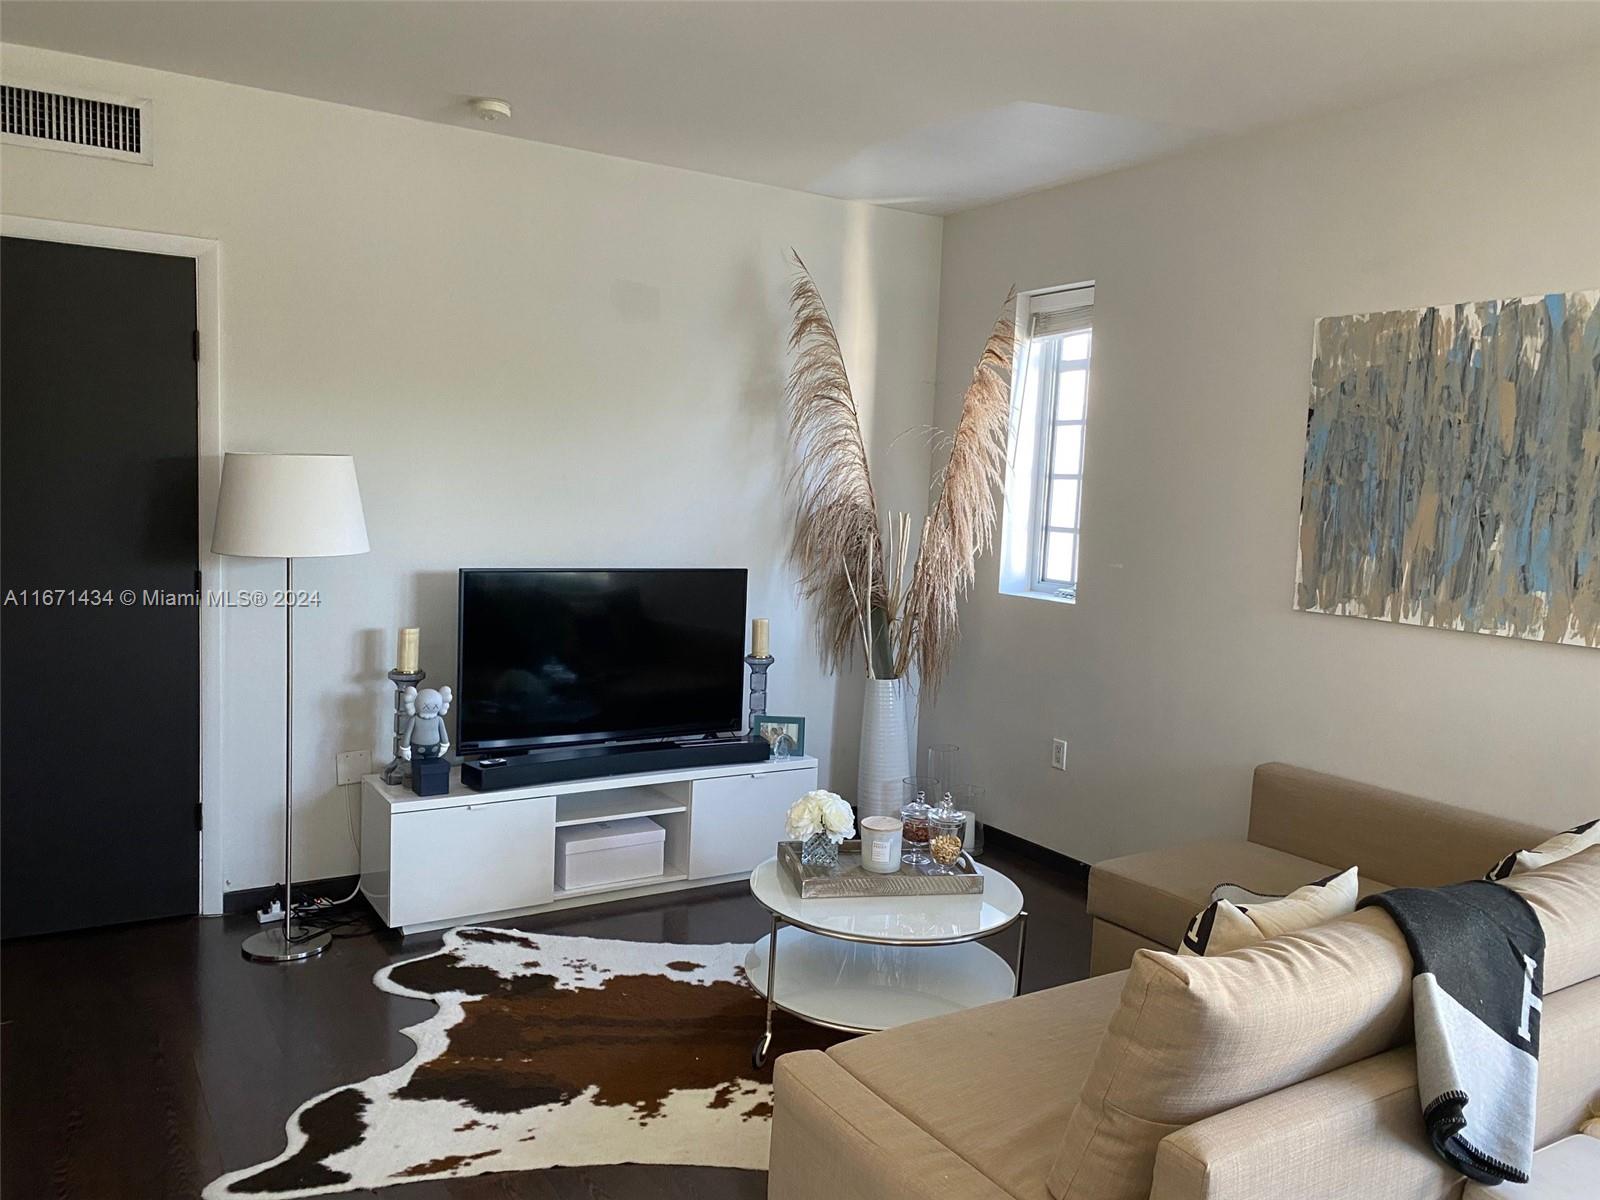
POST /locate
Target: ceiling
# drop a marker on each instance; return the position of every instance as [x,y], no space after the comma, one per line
[922,105]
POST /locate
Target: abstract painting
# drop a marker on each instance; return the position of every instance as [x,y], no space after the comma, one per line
[1452,472]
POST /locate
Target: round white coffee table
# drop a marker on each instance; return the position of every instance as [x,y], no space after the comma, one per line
[863,964]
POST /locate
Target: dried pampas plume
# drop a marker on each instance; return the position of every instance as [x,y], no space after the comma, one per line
[960,525]
[900,618]
[835,544]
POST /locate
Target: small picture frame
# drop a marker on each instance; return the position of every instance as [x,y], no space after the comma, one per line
[786,735]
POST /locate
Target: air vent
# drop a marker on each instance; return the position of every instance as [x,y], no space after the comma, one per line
[109,127]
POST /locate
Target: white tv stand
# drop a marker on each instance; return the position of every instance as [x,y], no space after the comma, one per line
[428,862]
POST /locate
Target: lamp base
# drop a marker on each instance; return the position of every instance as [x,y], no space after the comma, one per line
[271,946]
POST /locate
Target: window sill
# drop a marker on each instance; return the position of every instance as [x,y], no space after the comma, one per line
[1053,596]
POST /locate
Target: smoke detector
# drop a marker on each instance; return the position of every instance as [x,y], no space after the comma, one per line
[490,108]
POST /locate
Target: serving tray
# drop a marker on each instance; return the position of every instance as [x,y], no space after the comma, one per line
[850,879]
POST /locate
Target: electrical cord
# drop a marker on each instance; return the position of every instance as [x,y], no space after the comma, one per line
[323,917]
[355,841]
[316,915]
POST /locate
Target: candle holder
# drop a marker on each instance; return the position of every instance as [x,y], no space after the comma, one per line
[398,770]
[758,687]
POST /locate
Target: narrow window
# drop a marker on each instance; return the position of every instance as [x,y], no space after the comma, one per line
[1044,486]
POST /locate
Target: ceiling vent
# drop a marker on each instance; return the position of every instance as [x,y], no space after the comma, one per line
[105,126]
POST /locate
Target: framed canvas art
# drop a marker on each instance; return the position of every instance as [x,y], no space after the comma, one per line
[1452,469]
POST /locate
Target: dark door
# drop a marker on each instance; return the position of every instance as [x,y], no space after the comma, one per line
[100,632]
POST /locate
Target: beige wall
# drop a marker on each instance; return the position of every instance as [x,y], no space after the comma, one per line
[538,356]
[1182,664]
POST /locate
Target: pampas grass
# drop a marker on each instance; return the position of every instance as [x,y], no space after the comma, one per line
[960,525]
[835,543]
[855,569]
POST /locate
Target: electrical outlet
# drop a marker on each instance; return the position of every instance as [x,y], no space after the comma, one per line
[1058,754]
[353,764]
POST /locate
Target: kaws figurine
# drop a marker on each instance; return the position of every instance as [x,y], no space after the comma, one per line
[424,733]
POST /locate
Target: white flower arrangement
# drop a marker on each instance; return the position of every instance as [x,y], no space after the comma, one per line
[821,812]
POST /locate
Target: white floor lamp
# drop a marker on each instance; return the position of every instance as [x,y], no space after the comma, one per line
[288,506]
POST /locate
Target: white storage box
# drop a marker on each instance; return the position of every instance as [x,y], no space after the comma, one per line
[608,852]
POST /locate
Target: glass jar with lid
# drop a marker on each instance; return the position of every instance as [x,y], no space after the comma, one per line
[946,836]
[915,810]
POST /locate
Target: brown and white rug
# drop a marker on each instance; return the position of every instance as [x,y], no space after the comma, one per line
[546,1051]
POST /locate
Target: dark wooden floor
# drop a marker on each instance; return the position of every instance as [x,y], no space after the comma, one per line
[143,1061]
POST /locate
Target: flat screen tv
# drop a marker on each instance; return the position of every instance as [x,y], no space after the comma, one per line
[551,658]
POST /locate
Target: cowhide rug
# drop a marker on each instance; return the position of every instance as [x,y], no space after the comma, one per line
[546,1051]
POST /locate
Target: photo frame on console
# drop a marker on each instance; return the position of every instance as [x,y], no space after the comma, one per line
[786,735]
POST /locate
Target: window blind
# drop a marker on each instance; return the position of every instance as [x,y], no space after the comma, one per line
[1066,311]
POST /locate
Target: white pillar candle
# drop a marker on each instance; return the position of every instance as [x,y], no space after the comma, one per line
[761,638]
[407,653]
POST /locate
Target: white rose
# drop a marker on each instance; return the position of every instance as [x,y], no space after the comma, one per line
[804,818]
[837,817]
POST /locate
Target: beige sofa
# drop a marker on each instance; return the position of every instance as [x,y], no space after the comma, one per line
[1282,1071]
[1304,825]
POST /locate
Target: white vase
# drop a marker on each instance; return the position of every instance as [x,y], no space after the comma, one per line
[885,748]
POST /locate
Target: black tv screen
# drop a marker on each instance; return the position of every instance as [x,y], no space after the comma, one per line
[564,657]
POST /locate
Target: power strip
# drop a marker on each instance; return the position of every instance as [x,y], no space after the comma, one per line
[273,912]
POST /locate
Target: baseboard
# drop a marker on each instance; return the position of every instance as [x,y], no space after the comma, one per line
[249,900]
[1064,863]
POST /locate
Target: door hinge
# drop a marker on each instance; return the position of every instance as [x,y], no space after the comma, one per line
[199,816]
[197,345]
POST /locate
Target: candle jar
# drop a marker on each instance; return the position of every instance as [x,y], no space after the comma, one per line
[880,844]
[946,834]
[914,814]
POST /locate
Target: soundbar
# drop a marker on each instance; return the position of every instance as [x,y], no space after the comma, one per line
[591,762]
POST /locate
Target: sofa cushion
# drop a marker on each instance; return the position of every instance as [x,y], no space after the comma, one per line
[1111,947]
[1192,1037]
[1157,893]
[1565,896]
[1565,843]
[1357,1132]
[1224,925]
[1405,841]
[994,1084]
[833,1136]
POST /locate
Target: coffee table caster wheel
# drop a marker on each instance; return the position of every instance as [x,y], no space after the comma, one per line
[758,1057]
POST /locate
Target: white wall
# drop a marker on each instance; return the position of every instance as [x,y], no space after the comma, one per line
[1182,665]
[538,356]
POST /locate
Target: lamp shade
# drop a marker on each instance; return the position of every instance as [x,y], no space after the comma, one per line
[289,506]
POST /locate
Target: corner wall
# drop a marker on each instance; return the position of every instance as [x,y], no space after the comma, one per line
[1183,664]
[538,356]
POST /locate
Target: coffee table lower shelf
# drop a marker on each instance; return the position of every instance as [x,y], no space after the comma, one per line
[861,987]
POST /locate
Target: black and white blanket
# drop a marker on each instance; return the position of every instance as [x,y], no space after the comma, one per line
[1477,953]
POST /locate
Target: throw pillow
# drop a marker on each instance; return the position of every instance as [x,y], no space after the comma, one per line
[1553,850]
[1194,1037]
[1225,925]
[1240,894]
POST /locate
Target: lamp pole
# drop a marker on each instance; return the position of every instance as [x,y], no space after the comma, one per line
[283,944]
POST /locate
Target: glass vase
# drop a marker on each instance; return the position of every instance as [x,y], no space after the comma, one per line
[819,850]
[942,771]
